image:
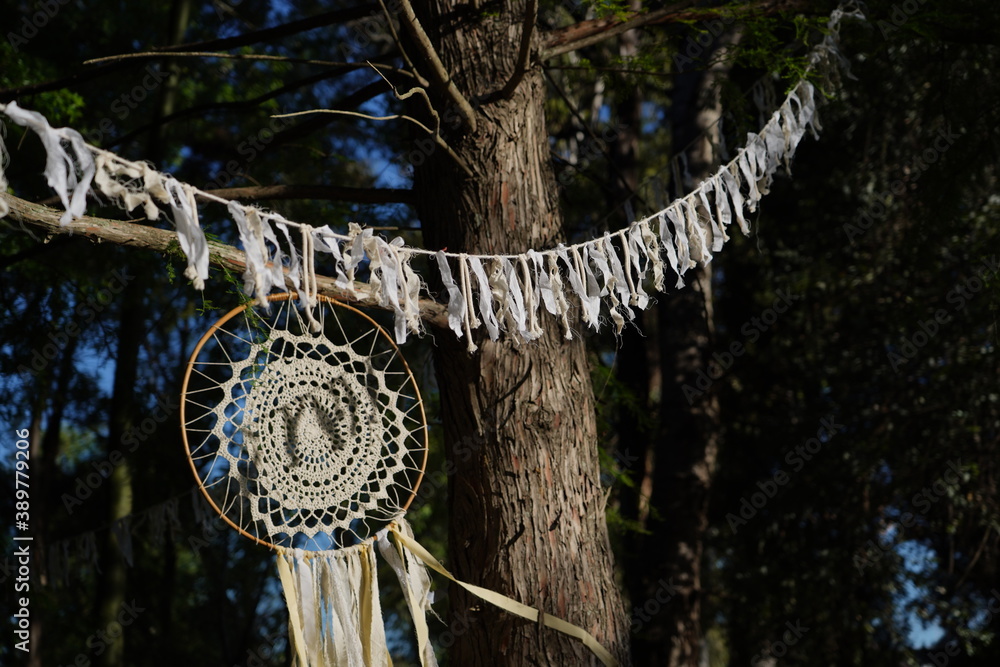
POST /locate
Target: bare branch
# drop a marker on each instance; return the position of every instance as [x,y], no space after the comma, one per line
[434,135]
[416,90]
[245,56]
[611,70]
[265,35]
[438,71]
[406,57]
[527,29]
[326,192]
[587,33]
[150,238]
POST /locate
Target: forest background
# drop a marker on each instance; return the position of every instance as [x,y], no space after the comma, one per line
[798,450]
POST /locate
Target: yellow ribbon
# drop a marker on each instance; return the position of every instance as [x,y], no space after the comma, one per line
[287,583]
[507,604]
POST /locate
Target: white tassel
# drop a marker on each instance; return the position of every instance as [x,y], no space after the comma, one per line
[255,278]
[456,300]
[719,236]
[696,233]
[60,167]
[732,188]
[189,233]
[309,291]
[610,280]
[749,176]
[669,245]
[485,298]
[416,585]
[4,159]
[356,242]
[327,241]
[681,241]
[471,321]
[335,616]
[559,294]
[500,293]
[534,330]
[653,254]
[636,248]
[295,266]
[593,289]
[515,304]
[543,283]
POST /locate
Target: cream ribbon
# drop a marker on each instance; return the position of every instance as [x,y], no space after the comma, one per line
[505,603]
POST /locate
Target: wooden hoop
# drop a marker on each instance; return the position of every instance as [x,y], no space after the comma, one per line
[286,296]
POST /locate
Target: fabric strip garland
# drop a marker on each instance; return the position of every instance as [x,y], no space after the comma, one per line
[502,293]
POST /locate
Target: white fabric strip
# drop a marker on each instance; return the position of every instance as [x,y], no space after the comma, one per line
[534,330]
[559,294]
[253,245]
[750,178]
[416,585]
[637,250]
[309,291]
[189,234]
[356,247]
[409,287]
[722,212]
[295,266]
[485,298]
[623,282]
[471,321]
[653,253]
[456,300]
[732,188]
[515,305]
[389,270]
[669,246]
[60,167]
[682,243]
[609,289]
[276,260]
[719,236]
[584,255]
[326,241]
[543,283]
[500,292]
[4,158]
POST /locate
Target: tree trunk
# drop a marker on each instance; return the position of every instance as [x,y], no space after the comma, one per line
[113,583]
[671,594]
[526,503]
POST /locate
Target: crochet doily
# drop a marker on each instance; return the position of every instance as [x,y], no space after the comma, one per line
[304,439]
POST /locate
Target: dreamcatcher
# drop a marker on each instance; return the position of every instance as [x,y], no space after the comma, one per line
[307,435]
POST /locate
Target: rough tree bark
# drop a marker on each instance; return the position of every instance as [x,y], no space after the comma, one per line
[526,503]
